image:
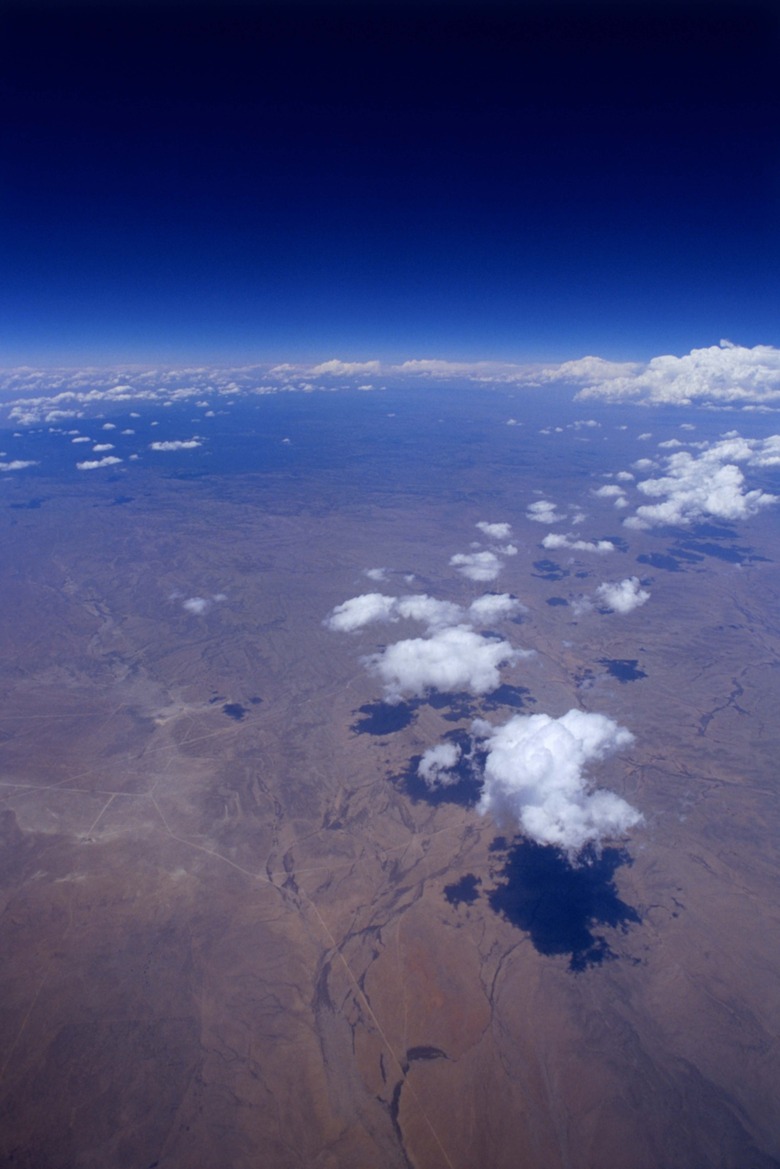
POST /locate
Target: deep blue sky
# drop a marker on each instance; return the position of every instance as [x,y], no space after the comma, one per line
[461,180]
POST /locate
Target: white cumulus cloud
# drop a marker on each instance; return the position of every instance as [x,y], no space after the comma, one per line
[718,373]
[175,444]
[449,660]
[624,596]
[93,464]
[555,541]
[543,512]
[535,777]
[479,566]
[501,531]
[708,484]
[494,607]
[435,766]
[18,464]
[360,611]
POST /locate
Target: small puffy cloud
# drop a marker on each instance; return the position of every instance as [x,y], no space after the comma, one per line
[543,512]
[199,605]
[555,540]
[196,605]
[449,660]
[708,484]
[609,491]
[625,476]
[102,446]
[360,611]
[494,607]
[112,425]
[436,764]
[93,464]
[479,566]
[81,438]
[718,373]
[535,777]
[624,596]
[377,574]
[500,531]
[175,444]
[614,492]
[364,610]
[18,464]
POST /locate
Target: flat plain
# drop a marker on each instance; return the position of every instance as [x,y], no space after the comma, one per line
[237,931]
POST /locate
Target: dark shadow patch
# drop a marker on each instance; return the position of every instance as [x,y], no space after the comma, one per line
[234,710]
[120,499]
[556,602]
[558,904]
[464,891]
[732,555]
[31,504]
[624,669]
[256,700]
[713,532]
[383,718]
[458,706]
[549,570]
[467,786]
[686,555]
[514,696]
[658,560]
[583,574]
[422,1052]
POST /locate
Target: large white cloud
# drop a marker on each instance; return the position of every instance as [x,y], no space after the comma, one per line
[535,777]
[718,373]
[449,660]
[623,596]
[707,484]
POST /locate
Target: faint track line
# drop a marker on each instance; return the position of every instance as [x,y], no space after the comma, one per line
[19,1033]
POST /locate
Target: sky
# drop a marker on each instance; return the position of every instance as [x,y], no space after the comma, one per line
[465,181]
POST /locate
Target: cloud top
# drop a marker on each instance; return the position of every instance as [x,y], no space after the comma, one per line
[718,373]
[449,660]
[536,777]
[708,484]
[624,596]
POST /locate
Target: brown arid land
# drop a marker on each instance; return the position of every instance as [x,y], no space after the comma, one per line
[235,934]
